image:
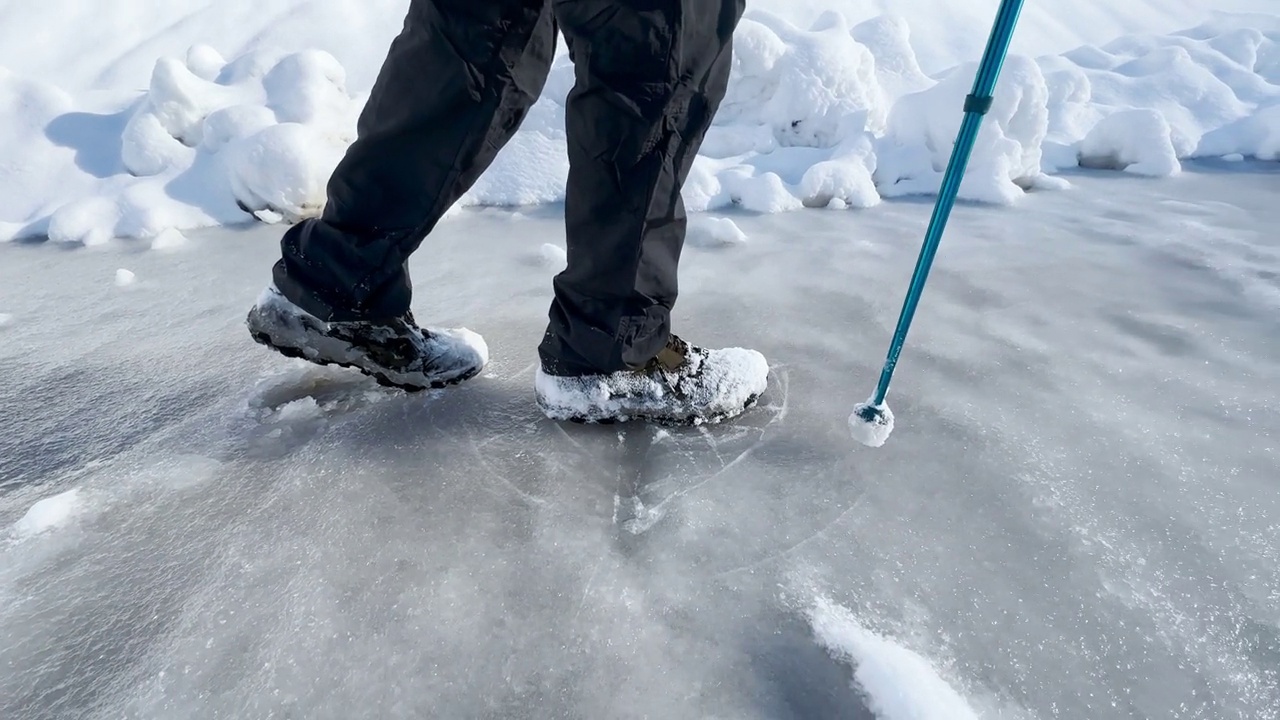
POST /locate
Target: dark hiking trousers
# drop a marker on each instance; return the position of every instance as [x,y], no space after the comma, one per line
[456,84]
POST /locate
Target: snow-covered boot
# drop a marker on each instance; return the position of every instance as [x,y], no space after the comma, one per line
[683,385]
[395,352]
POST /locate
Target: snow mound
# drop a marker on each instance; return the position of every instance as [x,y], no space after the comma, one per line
[1006,156]
[208,142]
[168,240]
[803,84]
[1213,86]
[47,514]
[838,115]
[899,684]
[1256,136]
[125,278]
[5,319]
[709,231]
[1136,141]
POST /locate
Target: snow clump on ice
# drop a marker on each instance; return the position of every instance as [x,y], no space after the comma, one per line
[47,514]
[899,683]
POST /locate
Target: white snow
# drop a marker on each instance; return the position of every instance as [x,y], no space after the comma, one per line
[899,683]
[124,278]
[168,240]
[710,231]
[719,384]
[831,104]
[5,319]
[1256,136]
[874,432]
[553,256]
[1136,141]
[47,514]
[1006,156]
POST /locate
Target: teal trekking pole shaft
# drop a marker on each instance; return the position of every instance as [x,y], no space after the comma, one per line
[975,107]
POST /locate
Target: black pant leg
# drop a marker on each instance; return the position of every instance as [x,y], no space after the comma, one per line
[455,86]
[650,75]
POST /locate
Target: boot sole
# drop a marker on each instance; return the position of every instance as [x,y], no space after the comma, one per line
[661,421]
[263,338]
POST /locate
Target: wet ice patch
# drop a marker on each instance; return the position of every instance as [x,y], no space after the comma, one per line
[48,514]
[899,683]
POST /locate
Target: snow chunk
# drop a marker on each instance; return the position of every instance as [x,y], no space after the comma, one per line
[48,514]
[1136,141]
[553,256]
[888,37]
[168,240]
[179,100]
[307,87]
[204,62]
[707,231]
[225,125]
[765,193]
[5,319]
[300,410]
[899,684]
[148,148]
[284,169]
[125,278]
[847,177]
[803,85]
[88,221]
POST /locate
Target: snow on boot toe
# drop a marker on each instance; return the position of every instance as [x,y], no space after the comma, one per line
[395,352]
[685,385]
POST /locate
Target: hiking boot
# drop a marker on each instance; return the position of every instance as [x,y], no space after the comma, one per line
[683,385]
[395,352]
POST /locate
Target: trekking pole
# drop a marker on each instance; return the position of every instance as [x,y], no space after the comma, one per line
[872,421]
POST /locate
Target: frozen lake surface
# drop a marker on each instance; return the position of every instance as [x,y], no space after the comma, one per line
[1078,515]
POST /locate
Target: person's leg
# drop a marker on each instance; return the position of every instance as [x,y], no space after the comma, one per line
[650,77]
[455,86]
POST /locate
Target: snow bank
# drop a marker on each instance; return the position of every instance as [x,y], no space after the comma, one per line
[209,142]
[1256,136]
[838,114]
[899,684]
[1006,156]
[1142,102]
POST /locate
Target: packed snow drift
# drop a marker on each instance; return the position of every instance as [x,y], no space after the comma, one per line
[833,113]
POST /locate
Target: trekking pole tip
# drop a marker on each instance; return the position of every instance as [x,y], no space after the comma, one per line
[871,424]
